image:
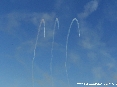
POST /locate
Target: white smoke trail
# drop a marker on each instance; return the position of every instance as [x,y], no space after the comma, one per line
[56,21]
[42,21]
[67,47]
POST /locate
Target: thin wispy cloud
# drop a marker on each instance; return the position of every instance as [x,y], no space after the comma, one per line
[89,8]
[98,54]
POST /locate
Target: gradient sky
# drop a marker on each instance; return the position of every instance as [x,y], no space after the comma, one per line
[91,58]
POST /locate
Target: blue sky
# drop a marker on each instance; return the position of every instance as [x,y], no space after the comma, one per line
[91,58]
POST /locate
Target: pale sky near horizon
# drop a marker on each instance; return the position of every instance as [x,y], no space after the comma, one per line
[91,58]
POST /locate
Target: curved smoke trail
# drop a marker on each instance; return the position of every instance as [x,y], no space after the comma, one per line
[56,21]
[67,47]
[42,21]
